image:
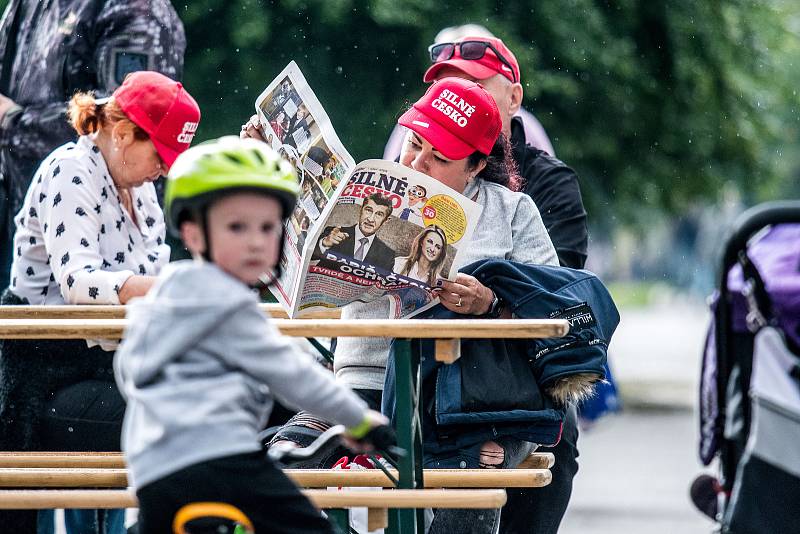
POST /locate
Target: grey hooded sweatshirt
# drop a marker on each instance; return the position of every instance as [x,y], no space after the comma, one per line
[199,366]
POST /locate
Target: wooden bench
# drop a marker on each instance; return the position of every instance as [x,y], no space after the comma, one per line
[110,311]
[377,502]
[115,460]
[446,333]
[87,477]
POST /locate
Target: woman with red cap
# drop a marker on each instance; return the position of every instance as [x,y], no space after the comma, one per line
[455,137]
[90,232]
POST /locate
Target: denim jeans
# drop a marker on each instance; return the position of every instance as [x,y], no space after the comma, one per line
[540,510]
[480,521]
[84,521]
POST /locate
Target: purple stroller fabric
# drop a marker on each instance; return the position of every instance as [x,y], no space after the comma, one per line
[777,257]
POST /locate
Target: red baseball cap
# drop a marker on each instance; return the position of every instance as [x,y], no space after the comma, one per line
[457,117]
[162,108]
[489,64]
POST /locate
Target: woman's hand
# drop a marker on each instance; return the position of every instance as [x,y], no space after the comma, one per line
[252,129]
[466,295]
[135,286]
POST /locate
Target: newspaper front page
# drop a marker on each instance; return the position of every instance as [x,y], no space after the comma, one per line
[360,232]
[296,125]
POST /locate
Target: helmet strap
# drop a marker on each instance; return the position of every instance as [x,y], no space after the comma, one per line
[201,216]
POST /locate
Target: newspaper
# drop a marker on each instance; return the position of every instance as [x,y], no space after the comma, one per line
[359,232]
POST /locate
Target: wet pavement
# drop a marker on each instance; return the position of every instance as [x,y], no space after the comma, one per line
[636,467]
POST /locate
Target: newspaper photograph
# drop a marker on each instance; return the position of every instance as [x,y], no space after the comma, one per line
[297,126]
[359,232]
[391,231]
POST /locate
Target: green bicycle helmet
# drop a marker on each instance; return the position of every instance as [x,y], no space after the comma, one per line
[223,166]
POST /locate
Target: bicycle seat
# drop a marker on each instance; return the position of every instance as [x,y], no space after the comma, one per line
[211,518]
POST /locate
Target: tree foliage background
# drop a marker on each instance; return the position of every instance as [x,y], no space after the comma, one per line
[654,103]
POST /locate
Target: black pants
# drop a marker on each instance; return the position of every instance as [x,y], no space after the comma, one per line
[250,482]
[56,395]
[86,416]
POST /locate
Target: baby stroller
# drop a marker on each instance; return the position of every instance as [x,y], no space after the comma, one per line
[750,383]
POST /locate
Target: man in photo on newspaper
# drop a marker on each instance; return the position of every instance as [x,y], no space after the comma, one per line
[360,241]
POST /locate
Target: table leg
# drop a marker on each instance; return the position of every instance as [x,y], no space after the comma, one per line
[408,433]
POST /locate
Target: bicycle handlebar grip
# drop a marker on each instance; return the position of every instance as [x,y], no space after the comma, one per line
[382,437]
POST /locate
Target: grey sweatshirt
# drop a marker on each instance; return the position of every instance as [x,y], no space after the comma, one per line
[199,366]
[510,228]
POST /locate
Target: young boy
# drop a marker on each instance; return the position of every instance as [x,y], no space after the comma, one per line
[200,362]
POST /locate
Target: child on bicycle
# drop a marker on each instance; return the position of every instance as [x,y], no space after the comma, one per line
[200,362]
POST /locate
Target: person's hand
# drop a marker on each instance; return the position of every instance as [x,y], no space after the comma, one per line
[135,286]
[335,237]
[373,432]
[466,295]
[5,105]
[252,129]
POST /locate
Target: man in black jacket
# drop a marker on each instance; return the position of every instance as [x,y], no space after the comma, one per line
[554,188]
[49,51]
[551,184]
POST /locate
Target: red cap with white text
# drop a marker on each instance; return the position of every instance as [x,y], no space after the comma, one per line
[162,108]
[456,116]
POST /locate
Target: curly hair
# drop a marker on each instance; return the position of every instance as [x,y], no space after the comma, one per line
[500,165]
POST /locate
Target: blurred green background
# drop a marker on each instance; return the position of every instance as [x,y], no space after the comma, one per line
[655,104]
[660,107]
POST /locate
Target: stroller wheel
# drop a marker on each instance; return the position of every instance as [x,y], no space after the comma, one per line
[704,493]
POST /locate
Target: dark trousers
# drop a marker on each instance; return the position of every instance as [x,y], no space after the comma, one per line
[250,482]
[56,395]
[86,416]
[540,510]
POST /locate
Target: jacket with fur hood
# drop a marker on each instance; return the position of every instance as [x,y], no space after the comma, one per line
[514,387]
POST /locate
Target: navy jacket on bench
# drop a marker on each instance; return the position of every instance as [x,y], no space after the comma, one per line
[496,387]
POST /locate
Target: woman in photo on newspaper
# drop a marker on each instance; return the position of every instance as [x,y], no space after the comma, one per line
[426,257]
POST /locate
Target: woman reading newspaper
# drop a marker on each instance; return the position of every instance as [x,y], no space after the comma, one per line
[455,137]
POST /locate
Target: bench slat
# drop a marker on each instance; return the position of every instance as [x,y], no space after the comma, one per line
[409,328]
[115,460]
[110,311]
[485,498]
[111,460]
[307,478]
[538,460]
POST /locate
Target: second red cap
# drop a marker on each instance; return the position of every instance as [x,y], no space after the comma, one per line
[162,108]
[456,116]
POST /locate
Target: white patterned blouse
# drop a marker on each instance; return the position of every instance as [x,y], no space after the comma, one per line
[75,242]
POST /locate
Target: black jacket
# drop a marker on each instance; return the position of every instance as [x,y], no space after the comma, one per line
[555,189]
[497,386]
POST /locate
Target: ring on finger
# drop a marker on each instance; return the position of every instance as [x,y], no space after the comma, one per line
[458,304]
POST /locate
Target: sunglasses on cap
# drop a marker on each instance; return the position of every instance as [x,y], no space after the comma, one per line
[470,50]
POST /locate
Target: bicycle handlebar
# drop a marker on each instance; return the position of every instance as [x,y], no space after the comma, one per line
[382,437]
